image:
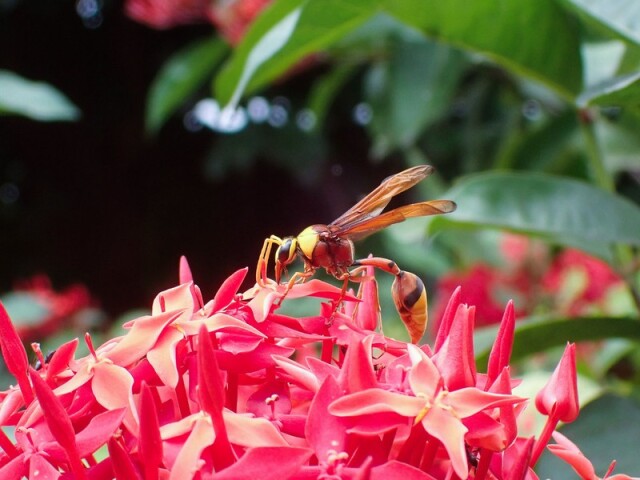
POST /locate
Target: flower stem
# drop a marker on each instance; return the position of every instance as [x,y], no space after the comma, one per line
[483,464]
[6,445]
[327,350]
[542,440]
[429,454]
[183,401]
[412,446]
[599,174]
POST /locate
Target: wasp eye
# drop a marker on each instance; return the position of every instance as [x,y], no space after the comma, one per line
[286,252]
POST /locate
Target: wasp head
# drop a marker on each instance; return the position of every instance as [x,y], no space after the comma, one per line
[285,254]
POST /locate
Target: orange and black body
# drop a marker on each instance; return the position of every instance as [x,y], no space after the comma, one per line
[331,246]
[410,299]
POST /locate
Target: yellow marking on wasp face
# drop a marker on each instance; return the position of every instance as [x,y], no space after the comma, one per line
[307,241]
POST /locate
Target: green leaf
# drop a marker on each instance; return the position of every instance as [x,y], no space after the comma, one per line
[619,141]
[623,91]
[563,210]
[508,32]
[325,90]
[535,335]
[35,100]
[267,47]
[184,72]
[284,34]
[543,147]
[619,17]
[411,90]
[605,431]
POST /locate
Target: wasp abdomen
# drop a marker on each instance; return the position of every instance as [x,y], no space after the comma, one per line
[410,298]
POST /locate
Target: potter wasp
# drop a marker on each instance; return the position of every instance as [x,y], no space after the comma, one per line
[331,246]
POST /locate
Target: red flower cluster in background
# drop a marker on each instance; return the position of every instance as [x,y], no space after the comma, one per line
[230,389]
[230,17]
[41,310]
[572,283]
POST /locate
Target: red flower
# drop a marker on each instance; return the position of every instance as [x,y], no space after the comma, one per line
[577,280]
[40,310]
[439,411]
[230,17]
[483,286]
[167,13]
[233,17]
[231,389]
[558,399]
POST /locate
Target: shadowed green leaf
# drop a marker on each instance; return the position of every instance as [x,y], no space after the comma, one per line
[563,210]
[618,17]
[619,91]
[411,90]
[181,76]
[35,100]
[508,32]
[539,334]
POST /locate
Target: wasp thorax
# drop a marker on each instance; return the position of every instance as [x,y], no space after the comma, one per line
[286,252]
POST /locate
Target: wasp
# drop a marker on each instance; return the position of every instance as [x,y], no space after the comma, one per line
[331,246]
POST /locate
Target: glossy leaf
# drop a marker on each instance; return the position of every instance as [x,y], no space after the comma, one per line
[539,334]
[620,91]
[620,17]
[35,100]
[287,32]
[508,32]
[563,210]
[181,76]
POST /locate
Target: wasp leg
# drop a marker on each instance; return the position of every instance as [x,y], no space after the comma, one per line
[297,277]
[408,293]
[383,264]
[263,260]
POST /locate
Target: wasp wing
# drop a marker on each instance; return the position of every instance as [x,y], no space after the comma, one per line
[367,226]
[372,205]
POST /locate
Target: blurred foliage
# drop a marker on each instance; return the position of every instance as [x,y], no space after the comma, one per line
[35,100]
[530,111]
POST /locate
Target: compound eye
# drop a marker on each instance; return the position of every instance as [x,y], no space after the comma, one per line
[286,252]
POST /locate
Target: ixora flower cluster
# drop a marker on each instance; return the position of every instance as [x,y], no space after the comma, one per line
[231,390]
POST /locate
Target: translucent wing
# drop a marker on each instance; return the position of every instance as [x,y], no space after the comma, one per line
[366,226]
[372,205]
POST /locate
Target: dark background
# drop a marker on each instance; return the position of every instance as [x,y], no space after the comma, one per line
[102,203]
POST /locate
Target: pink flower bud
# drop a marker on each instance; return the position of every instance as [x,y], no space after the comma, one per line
[559,397]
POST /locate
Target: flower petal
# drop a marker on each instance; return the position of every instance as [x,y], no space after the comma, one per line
[187,463]
[112,386]
[442,425]
[228,289]
[252,432]
[570,453]
[376,400]
[141,338]
[267,463]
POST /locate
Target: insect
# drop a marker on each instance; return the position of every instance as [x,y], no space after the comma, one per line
[331,246]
